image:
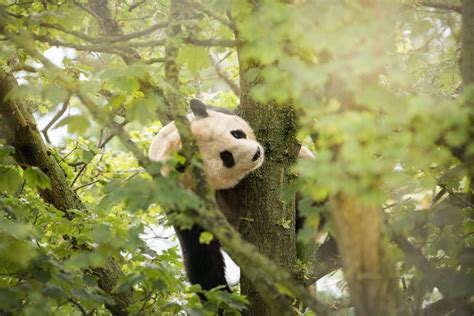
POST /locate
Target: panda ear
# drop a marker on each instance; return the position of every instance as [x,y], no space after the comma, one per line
[199,109]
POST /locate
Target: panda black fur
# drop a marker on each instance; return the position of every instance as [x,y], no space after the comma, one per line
[229,151]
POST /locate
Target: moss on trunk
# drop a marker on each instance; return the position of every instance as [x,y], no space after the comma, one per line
[268,221]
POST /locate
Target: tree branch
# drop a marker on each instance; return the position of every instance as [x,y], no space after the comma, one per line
[208,216]
[25,137]
[30,150]
[439,5]
[422,264]
[211,13]
[55,118]
[223,75]
[80,35]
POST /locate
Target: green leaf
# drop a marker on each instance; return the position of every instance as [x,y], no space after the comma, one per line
[75,123]
[40,274]
[126,282]
[126,84]
[10,179]
[35,177]
[53,291]
[144,110]
[101,232]
[22,92]
[14,229]
[55,94]
[205,238]
[195,57]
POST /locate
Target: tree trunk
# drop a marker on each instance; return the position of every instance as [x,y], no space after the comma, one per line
[268,222]
[19,128]
[467,59]
[368,268]
[466,67]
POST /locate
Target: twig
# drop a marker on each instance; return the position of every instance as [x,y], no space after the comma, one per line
[154,60]
[86,9]
[188,40]
[104,142]
[104,48]
[211,13]
[79,306]
[20,4]
[136,5]
[208,215]
[141,33]
[223,75]
[140,18]
[211,42]
[80,35]
[55,118]
[87,184]
[78,174]
[438,196]
[76,164]
[26,68]
[119,48]
[439,5]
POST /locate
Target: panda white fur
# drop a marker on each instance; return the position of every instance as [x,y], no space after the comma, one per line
[226,142]
[229,151]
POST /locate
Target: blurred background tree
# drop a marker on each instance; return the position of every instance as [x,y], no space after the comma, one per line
[381,91]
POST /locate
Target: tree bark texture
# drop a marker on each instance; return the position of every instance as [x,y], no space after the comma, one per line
[19,128]
[267,221]
[466,67]
[467,58]
[367,266]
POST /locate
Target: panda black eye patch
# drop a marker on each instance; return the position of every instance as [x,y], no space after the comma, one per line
[227,159]
[238,133]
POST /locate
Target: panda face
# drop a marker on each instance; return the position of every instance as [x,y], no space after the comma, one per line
[228,148]
[226,143]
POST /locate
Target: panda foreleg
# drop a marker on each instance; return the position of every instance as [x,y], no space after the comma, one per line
[204,263]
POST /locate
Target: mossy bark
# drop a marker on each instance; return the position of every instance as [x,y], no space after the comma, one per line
[267,221]
[19,128]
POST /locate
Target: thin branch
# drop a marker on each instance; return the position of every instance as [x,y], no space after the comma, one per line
[207,216]
[115,39]
[211,42]
[136,34]
[20,4]
[223,75]
[86,9]
[55,118]
[140,18]
[80,35]
[119,48]
[102,143]
[26,68]
[86,185]
[78,174]
[79,306]
[136,5]
[33,151]
[154,60]
[439,5]
[211,13]
[104,48]
[438,196]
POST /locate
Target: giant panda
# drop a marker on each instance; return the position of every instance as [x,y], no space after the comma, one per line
[229,151]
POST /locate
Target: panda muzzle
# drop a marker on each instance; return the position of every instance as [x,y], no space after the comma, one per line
[257,154]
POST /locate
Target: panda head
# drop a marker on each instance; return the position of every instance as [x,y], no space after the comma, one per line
[226,143]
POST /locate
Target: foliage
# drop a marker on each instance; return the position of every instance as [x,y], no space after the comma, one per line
[380,100]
